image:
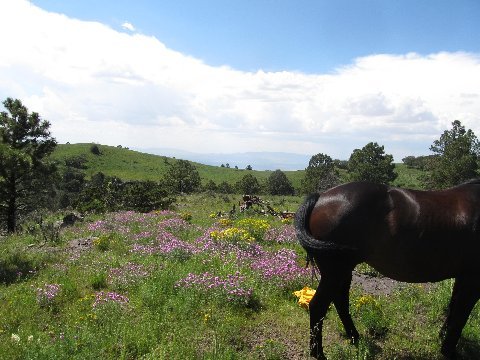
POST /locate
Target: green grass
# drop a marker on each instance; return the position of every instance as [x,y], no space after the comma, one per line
[166,319]
[408,177]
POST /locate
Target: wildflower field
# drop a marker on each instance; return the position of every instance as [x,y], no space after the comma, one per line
[189,284]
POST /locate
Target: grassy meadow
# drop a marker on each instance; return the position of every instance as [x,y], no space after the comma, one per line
[188,284]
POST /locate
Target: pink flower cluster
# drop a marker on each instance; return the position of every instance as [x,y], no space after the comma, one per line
[174,224]
[281,266]
[127,274]
[281,235]
[47,294]
[103,297]
[230,286]
[104,226]
[165,243]
[243,253]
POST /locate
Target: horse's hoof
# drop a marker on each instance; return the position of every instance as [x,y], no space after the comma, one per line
[354,338]
[449,354]
[320,356]
[317,354]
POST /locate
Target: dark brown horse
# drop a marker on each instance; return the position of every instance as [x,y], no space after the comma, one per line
[407,235]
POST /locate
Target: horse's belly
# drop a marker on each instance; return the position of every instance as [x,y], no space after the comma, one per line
[424,261]
[416,273]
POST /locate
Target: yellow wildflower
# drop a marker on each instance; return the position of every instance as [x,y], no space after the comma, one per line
[225,222]
[232,234]
[206,317]
[365,300]
[256,227]
[215,235]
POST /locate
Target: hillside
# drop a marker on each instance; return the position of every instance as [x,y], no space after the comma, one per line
[133,165]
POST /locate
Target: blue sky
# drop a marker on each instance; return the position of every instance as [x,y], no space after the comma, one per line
[301,77]
[275,35]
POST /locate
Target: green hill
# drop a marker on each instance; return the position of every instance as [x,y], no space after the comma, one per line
[133,165]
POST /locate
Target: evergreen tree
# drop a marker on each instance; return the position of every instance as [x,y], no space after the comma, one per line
[455,159]
[225,188]
[25,172]
[248,185]
[320,174]
[72,180]
[182,177]
[278,184]
[210,186]
[370,163]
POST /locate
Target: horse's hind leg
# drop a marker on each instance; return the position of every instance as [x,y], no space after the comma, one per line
[341,302]
[334,287]
[465,294]
[443,330]
[318,309]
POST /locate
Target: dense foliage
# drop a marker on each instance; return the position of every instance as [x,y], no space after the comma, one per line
[182,177]
[321,174]
[278,184]
[248,184]
[104,193]
[25,172]
[456,156]
[417,162]
[370,163]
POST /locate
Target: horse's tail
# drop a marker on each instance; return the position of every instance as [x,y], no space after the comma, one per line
[308,242]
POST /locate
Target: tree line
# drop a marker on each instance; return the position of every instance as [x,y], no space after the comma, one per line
[30,180]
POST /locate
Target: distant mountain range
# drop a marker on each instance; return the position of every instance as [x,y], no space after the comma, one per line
[257,160]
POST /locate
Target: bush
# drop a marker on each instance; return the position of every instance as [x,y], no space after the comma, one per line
[278,184]
[104,193]
[95,149]
[145,196]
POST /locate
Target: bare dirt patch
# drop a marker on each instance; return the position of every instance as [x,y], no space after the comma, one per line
[375,285]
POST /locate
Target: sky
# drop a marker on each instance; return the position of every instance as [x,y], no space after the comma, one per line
[211,76]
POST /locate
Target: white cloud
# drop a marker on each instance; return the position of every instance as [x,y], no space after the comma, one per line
[97,84]
[126,25]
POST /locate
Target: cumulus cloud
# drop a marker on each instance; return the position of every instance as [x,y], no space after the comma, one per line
[126,25]
[97,84]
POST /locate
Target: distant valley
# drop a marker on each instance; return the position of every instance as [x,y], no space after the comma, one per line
[257,160]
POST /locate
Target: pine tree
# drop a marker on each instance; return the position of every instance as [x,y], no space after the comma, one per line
[25,172]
